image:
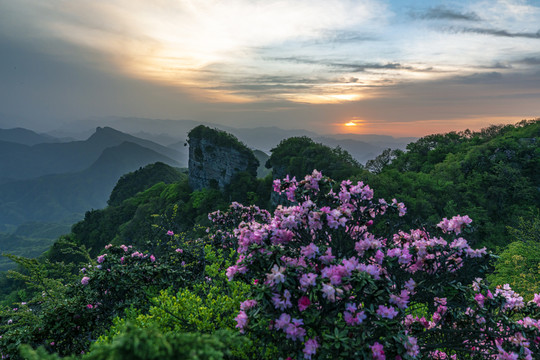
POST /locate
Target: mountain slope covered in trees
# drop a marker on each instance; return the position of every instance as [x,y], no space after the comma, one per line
[492,175]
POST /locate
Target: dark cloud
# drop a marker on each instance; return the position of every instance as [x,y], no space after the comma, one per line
[444,13]
[351,66]
[259,88]
[530,61]
[479,78]
[497,65]
[497,32]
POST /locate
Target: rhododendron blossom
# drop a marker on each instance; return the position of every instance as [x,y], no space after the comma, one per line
[333,278]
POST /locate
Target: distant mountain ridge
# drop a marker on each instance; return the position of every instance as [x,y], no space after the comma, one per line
[18,161]
[25,137]
[173,134]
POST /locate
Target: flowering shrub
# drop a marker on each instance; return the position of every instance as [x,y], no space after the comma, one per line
[207,307]
[326,286]
[67,318]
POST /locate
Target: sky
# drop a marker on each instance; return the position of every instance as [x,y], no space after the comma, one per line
[400,68]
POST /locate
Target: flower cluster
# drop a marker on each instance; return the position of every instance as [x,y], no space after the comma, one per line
[321,255]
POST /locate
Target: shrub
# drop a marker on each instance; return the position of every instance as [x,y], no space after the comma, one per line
[326,287]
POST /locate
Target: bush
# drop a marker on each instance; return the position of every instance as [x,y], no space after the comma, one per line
[326,287]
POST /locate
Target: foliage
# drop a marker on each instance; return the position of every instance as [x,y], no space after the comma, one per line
[207,306]
[298,156]
[149,343]
[66,317]
[491,175]
[519,264]
[132,183]
[326,286]
[385,158]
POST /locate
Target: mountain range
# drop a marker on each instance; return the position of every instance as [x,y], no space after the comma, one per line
[49,180]
[57,181]
[173,134]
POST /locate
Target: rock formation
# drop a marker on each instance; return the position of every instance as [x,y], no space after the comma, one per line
[215,157]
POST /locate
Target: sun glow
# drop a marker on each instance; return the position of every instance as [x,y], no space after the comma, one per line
[350,123]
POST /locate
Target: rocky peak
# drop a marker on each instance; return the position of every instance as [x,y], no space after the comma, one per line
[215,157]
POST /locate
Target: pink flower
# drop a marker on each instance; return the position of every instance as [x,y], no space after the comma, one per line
[402,300]
[241,320]
[303,303]
[231,271]
[170,233]
[276,276]
[309,251]
[329,292]
[307,280]
[179,250]
[284,302]
[386,312]
[283,321]
[479,299]
[277,186]
[90,306]
[310,348]
[152,258]
[85,280]
[101,258]
[294,331]
[412,347]
[248,304]
[378,351]
[328,257]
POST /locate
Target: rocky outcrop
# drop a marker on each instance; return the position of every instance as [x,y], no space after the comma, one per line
[215,157]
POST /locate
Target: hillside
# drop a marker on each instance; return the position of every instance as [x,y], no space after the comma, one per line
[64,197]
[57,201]
[492,175]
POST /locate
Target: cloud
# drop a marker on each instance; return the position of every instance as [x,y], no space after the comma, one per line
[443,13]
[530,61]
[481,78]
[497,32]
[343,37]
[353,67]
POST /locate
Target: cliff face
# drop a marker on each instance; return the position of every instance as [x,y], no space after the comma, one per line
[215,157]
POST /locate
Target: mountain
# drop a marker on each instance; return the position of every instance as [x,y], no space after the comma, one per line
[106,136]
[18,161]
[25,137]
[173,134]
[65,197]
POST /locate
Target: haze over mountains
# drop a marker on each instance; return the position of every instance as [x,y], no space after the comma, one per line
[173,133]
[59,181]
[49,180]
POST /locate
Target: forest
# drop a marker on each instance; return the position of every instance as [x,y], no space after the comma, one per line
[428,253]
